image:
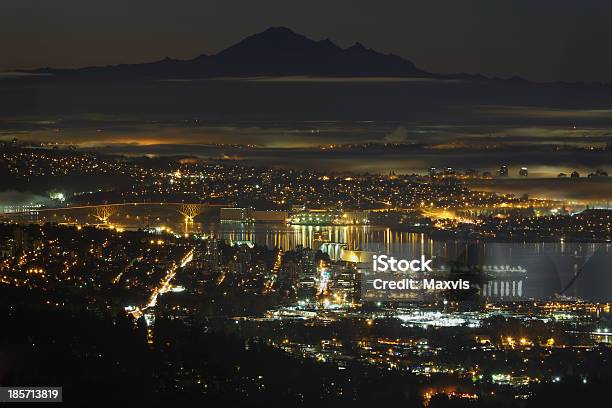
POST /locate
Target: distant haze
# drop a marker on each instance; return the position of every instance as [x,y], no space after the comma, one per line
[545,40]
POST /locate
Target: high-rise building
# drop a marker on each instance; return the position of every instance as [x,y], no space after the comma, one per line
[206,257]
[23,241]
[503,171]
[289,274]
[211,255]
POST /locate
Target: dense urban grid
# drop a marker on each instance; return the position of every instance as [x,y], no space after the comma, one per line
[174,313]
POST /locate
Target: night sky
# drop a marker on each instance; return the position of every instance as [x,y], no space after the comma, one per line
[543,40]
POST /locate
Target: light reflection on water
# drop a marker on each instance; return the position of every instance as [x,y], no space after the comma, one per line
[550,267]
[283,236]
[274,235]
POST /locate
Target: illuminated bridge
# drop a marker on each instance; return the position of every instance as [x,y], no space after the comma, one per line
[120,214]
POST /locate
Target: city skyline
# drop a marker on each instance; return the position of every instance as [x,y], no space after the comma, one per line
[237,203]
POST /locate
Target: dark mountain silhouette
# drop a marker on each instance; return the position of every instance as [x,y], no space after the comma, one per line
[277,51]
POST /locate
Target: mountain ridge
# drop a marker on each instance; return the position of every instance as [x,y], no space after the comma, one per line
[276,51]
